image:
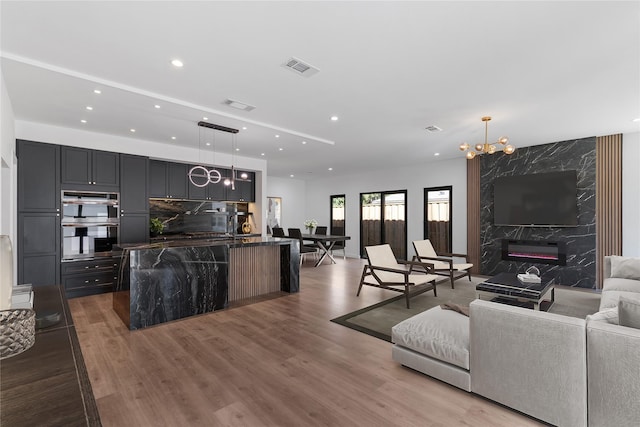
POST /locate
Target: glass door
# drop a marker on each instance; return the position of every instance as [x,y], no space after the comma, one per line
[383,220]
[337,215]
[437,217]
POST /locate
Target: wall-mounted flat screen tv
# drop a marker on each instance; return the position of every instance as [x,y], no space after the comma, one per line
[543,199]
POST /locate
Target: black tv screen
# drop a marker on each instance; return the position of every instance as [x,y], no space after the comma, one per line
[544,199]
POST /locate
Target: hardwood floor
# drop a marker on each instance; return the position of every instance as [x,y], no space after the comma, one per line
[278,362]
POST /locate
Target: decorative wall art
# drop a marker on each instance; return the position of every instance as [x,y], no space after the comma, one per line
[274,212]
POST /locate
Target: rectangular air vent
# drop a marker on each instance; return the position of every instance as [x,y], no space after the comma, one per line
[433,128]
[300,67]
[239,105]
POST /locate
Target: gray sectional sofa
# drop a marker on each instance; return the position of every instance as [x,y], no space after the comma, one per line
[562,370]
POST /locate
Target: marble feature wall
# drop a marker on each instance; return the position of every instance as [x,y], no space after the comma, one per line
[579,155]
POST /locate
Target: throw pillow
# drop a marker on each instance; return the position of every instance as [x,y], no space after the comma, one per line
[629,312]
[610,315]
[625,267]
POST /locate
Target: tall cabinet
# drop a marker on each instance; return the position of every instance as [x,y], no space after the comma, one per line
[134,204]
[38,213]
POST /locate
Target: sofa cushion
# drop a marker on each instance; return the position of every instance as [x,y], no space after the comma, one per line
[441,334]
[625,267]
[609,315]
[629,312]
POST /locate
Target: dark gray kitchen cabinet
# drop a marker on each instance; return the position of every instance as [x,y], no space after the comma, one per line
[244,189]
[38,177]
[134,199]
[134,228]
[82,278]
[38,234]
[86,169]
[168,180]
[38,248]
[133,188]
[211,191]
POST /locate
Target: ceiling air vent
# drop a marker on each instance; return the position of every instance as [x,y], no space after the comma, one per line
[239,105]
[433,128]
[300,67]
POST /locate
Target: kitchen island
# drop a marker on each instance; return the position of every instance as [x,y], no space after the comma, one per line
[165,281]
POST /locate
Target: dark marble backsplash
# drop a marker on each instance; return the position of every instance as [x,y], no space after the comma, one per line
[579,155]
[188,216]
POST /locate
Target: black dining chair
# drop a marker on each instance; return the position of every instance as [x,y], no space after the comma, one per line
[295,233]
[278,232]
[321,229]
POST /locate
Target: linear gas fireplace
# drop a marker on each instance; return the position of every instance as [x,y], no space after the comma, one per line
[538,251]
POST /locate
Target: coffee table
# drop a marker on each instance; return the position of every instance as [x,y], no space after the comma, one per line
[507,288]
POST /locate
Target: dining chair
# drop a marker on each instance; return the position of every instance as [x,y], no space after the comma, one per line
[385,271]
[278,232]
[443,264]
[295,233]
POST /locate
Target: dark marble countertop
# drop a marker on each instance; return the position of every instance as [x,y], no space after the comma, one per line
[233,243]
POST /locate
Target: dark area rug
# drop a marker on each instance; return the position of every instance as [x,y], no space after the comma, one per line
[378,319]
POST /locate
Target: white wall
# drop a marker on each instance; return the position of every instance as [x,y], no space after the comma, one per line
[413,179]
[631,194]
[294,196]
[8,179]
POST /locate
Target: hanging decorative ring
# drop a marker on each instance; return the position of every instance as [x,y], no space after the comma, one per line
[201,176]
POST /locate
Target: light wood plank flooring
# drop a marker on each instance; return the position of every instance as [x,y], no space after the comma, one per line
[278,362]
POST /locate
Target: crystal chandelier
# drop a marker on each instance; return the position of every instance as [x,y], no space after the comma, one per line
[487,147]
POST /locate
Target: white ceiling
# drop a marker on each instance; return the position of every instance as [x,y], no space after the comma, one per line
[545,71]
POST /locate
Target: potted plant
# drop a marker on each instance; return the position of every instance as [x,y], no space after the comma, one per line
[310,224]
[155,227]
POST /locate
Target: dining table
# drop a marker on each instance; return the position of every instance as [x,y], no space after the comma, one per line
[325,243]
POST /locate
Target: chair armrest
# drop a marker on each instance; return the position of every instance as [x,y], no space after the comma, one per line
[438,258]
[428,267]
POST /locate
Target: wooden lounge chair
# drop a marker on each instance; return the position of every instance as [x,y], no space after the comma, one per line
[443,264]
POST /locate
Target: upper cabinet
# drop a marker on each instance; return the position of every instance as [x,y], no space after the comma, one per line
[244,189]
[168,180]
[89,169]
[210,191]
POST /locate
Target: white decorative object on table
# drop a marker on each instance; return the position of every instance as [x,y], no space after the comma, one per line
[310,224]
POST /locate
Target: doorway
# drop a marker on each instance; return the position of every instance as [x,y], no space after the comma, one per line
[437,217]
[383,220]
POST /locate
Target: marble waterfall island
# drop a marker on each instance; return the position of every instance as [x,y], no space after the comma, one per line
[166,281]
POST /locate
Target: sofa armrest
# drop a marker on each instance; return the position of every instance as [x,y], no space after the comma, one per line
[606,267]
[531,361]
[613,374]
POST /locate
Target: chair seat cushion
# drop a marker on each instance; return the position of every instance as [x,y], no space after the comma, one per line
[440,265]
[441,334]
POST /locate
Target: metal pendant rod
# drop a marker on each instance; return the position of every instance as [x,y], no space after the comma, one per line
[217,127]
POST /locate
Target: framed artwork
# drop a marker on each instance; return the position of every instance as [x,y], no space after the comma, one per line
[274,212]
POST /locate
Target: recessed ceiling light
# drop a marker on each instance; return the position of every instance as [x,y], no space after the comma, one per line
[334,118]
[244,128]
[291,175]
[83,121]
[637,120]
[132,130]
[262,154]
[89,107]
[205,118]
[277,136]
[237,149]
[330,169]
[436,154]
[98,91]
[208,143]
[280,149]
[177,63]
[173,137]
[304,142]
[156,106]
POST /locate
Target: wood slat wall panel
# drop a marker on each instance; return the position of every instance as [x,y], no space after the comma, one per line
[253,271]
[473,214]
[608,199]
